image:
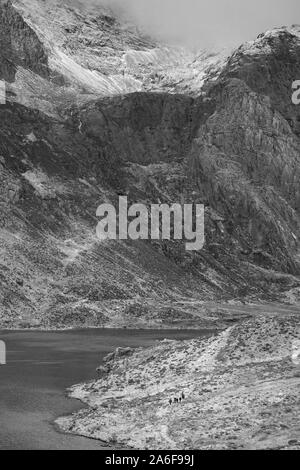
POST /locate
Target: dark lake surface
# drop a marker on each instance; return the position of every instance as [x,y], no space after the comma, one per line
[41,365]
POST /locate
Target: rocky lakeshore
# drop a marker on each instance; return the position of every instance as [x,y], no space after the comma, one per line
[241,387]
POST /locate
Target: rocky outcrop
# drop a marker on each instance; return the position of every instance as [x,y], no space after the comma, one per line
[269,65]
[245,161]
[19,45]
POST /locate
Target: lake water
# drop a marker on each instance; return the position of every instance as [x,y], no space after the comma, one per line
[41,365]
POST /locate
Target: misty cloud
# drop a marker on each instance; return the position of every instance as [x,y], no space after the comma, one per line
[220,22]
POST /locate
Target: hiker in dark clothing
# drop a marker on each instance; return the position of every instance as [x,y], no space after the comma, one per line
[180,399]
[183,396]
[170,401]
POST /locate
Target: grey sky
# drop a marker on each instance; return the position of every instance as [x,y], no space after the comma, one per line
[223,22]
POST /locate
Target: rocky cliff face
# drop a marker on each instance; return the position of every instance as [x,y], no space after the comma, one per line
[245,160]
[268,66]
[96,109]
[20,45]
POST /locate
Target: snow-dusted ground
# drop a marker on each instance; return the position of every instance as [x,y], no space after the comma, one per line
[241,392]
[97,55]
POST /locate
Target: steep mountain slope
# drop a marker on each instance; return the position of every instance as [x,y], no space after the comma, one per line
[96,109]
[246,161]
[269,65]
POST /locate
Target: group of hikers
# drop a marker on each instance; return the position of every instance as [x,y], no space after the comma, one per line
[177,400]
